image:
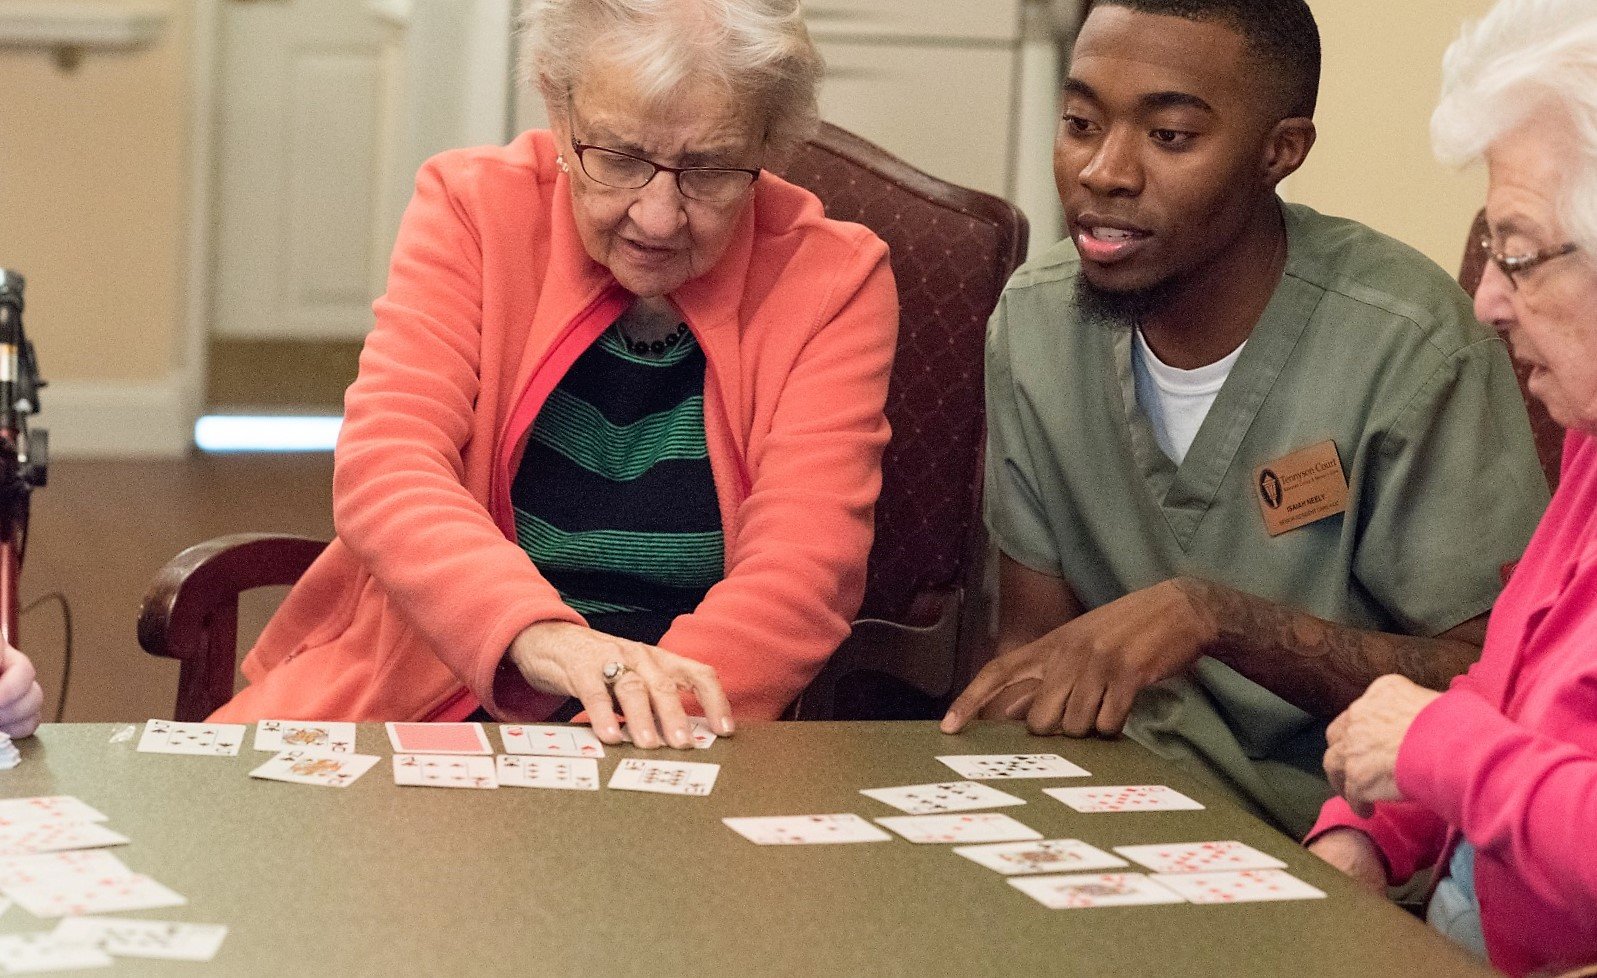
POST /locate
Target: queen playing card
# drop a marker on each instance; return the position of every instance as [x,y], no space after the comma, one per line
[313,767]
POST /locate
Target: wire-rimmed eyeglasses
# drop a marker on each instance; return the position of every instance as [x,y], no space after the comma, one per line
[623,171]
[1513,266]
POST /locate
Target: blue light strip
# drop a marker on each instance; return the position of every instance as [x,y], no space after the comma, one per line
[266,433]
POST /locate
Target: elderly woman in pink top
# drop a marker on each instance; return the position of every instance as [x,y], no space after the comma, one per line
[1494,782]
[616,439]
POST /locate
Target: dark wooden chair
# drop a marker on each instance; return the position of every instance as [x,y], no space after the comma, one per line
[922,618]
[1549,434]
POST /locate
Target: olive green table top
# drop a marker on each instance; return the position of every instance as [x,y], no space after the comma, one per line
[376,879]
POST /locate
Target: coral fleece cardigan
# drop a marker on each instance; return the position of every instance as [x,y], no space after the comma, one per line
[491,297]
[1507,757]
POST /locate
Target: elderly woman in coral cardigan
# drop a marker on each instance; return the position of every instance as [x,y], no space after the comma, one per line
[1494,783]
[616,438]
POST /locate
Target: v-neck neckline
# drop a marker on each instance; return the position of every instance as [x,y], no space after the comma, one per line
[1184,493]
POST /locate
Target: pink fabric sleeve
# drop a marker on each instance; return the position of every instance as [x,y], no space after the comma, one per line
[399,496]
[796,575]
[1528,799]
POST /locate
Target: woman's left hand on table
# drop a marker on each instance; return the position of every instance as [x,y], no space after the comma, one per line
[1361,760]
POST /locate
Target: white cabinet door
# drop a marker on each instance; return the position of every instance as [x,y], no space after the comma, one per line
[296,170]
[947,109]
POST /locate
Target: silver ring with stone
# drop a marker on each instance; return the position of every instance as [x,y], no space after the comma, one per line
[614,671]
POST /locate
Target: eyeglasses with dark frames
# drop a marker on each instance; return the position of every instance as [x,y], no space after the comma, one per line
[1513,266]
[624,171]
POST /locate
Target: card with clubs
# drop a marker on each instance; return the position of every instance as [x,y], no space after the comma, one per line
[211,739]
[969,827]
[325,737]
[438,738]
[1044,856]
[433,771]
[1199,857]
[990,767]
[950,796]
[46,808]
[665,777]
[1246,886]
[72,895]
[550,740]
[313,767]
[24,953]
[1083,891]
[570,773]
[805,830]
[698,730]
[1124,798]
[31,837]
[128,938]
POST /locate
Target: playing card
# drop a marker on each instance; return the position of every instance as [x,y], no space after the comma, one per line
[324,737]
[988,767]
[973,827]
[571,773]
[550,740]
[311,767]
[805,830]
[1123,798]
[430,771]
[439,738]
[54,836]
[26,870]
[665,777]
[1046,856]
[127,938]
[1247,886]
[698,729]
[1199,857]
[46,808]
[951,796]
[172,737]
[1093,890]
[24,953]
[63,895]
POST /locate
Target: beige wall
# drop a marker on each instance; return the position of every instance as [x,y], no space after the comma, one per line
[1373,161]
[92,206]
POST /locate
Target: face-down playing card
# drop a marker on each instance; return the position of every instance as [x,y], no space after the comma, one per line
[438,738]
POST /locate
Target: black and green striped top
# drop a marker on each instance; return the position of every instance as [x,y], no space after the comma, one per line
[615,500]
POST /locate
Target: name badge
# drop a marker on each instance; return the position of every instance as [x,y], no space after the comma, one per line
[1301,488]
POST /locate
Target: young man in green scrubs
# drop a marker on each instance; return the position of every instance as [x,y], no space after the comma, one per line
[1244,458]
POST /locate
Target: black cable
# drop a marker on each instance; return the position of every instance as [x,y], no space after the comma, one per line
[66,653]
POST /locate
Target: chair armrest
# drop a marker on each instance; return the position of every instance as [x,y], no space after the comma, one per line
[184,597]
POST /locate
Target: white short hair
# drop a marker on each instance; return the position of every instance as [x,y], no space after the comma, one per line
[1525,58]
[758,52]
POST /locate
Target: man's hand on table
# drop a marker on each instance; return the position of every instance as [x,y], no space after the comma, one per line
[1081,678]
[21,699]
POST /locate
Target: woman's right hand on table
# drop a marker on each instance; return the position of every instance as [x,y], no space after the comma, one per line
[604,672]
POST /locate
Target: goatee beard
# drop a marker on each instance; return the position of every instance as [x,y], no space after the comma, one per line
[1131,308]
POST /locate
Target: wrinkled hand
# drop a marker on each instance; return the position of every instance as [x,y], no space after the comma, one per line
[562,657]
[1361,761]
[1354,853]
[21,699]
[1082,676]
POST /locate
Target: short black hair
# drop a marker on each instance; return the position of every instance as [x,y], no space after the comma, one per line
[1280,34]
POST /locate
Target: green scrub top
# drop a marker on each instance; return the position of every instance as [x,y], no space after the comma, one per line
[1365,342]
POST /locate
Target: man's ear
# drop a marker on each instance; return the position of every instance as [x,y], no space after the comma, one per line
[1287,147]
